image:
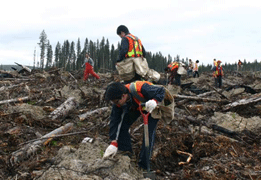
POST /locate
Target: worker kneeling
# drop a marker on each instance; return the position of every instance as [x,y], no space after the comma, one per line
[125,111]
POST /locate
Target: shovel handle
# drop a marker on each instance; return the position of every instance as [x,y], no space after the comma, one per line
[145,116]
[146,135]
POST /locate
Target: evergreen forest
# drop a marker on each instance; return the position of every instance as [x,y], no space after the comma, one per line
[70,55]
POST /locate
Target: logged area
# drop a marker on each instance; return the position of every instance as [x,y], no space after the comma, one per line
[55,126]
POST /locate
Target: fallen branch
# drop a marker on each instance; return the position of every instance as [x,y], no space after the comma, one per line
[24,67]
[243,102]
[200,95]
[82,93]
[20,99]
[188,154]
[218,92]
[31,149]
[91,113]
[63,110]
[199,98]
[4,88]
[56,136]
[194,121]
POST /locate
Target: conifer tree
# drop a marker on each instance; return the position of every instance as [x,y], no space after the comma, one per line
[72,56]
[57,55]
[107,54]
[78,62]
[86,47]
[42,44]
[49,55]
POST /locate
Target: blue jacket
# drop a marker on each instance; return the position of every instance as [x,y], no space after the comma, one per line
[149,92]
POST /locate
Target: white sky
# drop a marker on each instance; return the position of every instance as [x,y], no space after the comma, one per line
[198,29]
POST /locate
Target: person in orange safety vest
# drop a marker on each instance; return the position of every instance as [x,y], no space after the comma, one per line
[125,112]
[218,74]
[131,46]
[172,68]
[195,69]
[239,65]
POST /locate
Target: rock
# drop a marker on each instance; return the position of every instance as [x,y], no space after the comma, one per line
[234,122]
[87,160]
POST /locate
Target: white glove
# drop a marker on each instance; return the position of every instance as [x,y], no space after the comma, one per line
[111,150]
[150,105]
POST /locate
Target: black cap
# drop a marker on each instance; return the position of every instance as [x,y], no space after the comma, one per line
[123,29]
[114,91]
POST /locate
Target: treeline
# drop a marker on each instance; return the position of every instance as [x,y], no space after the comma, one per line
[70,55]
[246,66]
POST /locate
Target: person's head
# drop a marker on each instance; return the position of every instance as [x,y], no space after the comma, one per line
[122,31]
[218,62]
[197,61]
[117,93]
[214,59]
[87,55]
[189,60]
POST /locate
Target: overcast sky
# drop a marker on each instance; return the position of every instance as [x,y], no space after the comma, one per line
[198,29]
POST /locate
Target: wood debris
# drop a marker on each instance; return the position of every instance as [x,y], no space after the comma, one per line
[193,146]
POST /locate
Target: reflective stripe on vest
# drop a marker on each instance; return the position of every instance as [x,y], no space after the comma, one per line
[219,71]
[135,90]
[173,66]
[135,46]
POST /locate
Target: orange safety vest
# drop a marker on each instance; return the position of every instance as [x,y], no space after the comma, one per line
[173,66]
[135,46]
[137,86]
[219,71]
[196,67]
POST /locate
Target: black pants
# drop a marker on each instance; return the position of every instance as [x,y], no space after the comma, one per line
[218,81]
[177,79]
[124,141]
[195,74]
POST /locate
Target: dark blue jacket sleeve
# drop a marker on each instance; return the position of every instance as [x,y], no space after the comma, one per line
[143,51]
[115,120]
[123,49]
[153,92]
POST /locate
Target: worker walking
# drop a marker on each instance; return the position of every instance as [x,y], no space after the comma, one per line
[190,67]
[214,65]
[125,112]
[239,65]
[218,74]
[89,63]
[196,69]
[173,70]
[132,51]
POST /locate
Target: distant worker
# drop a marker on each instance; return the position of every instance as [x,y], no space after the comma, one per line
[190,67]
[195,70]
[214,65]
[239,65]
[173,70]
[89,63]
[131,47]
[218,74]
